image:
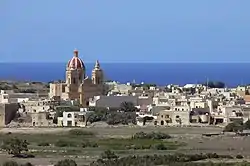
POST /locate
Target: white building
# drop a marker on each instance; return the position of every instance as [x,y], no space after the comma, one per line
[72,119]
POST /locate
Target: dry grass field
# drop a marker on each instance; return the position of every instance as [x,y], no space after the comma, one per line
[191,136]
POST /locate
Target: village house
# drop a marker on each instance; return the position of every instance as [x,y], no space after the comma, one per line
[73,119]
[173,118]
[41,119]
[37,106]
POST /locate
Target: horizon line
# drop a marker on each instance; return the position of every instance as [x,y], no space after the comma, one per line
[142,62]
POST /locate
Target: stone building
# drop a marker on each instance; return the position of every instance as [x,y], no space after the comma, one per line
[7,113]
[78,86]
[37,106]
[41,119]
[175,116]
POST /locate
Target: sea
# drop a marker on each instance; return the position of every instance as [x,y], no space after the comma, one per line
[232,74]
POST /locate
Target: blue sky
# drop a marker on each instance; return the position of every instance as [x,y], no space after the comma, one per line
[125,30]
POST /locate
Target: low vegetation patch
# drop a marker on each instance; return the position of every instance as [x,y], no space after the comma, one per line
[89,144]
[13,163]
[15,146]
[154,160]
[65,143]
[66,162]
[108,154]
[136,144]
[152,135]
[80,132]
[43,144]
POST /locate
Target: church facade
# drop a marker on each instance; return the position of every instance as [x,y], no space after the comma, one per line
[78,86]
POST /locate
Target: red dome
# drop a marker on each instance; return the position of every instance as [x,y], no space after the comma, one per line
[76,62]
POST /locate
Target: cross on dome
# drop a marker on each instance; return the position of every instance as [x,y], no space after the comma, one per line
[75,52]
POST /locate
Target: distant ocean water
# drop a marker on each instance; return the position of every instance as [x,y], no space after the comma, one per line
[160,73]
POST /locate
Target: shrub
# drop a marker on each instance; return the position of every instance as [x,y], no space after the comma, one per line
[89,144]
[160,146]
[15,146]
[234,127]
[66,162]
[44,144]
[212,155]
[79,132]
[10,163]
[109,155]
[239,156]
[63,143]
[138,147]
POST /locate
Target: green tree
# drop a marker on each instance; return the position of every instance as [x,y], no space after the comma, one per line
[15,146]
[66,162]
[234,127]
[128,107]
[247,125]
[96,114]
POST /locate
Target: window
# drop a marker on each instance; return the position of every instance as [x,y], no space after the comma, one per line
[74,80]
[177,116]
[63,89]
[69,115]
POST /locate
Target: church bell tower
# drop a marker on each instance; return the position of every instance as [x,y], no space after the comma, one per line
[97,74]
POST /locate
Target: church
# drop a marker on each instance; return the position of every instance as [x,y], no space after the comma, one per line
[78,86]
